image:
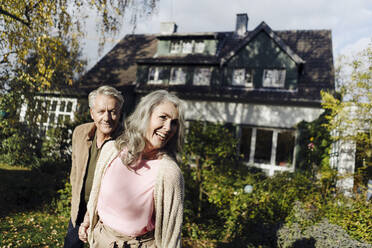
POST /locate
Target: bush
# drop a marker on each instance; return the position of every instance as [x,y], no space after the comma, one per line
[350,221]
[322,234]
[20,144]
[314,145]
[353,215]
[63,201]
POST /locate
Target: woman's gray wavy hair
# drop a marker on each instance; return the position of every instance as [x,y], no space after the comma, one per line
[135,127]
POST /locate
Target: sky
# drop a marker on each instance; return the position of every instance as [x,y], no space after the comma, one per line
[349,20]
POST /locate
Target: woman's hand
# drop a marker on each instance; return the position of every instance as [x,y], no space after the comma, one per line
[83,234]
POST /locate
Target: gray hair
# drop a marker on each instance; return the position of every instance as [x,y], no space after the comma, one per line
[107,91]
[135,127]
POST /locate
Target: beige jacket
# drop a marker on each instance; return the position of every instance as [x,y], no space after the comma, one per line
[168,194]
[81,141]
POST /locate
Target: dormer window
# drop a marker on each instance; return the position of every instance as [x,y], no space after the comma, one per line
[199,46]
[187,46]
[242,77]
[273,78]
[157,75]
[178,76]
[176,47]
[202,76]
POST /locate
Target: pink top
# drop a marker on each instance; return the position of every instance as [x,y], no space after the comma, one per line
[126,199]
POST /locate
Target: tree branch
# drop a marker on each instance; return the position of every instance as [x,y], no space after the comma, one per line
[6,13]
[5,59]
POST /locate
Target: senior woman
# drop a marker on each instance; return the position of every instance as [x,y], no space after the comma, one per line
[137,193]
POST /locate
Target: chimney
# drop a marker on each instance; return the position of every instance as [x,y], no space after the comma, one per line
[168,27]
[241,24]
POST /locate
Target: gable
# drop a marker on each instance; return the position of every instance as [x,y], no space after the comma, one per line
[262,53]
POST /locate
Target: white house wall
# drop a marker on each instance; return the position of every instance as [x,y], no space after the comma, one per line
[250,114]
[273,117]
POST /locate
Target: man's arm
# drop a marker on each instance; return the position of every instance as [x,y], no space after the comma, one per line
[73,159]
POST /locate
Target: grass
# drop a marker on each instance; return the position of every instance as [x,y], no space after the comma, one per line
[28,213]
[33,229]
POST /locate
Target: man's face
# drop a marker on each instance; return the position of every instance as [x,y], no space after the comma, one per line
[105,114]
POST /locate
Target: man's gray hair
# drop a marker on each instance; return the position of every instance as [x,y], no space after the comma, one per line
[107,91]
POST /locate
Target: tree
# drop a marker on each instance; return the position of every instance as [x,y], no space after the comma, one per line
[350,109]
[42,26]
[40,51]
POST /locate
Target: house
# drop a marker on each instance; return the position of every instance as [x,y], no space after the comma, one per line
[262,81]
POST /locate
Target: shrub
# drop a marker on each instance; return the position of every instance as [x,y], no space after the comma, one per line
[353,215]
[322,234]
[314,145]
[20,144]
[63,201]
[350,220]
[57,143]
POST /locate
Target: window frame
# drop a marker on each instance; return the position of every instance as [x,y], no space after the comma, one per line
[175,47]
[199,71]
[277,79]
[190,47]
[157,70]
[271,167]
[52,110]
[244,82]
[199,46]
[178,80]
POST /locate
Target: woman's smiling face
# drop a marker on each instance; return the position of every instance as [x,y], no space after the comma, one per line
[162,126]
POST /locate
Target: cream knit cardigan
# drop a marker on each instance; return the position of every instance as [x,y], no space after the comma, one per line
[168,195]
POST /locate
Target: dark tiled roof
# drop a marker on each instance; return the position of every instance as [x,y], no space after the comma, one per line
[315,47]
[186,60]
[118,67]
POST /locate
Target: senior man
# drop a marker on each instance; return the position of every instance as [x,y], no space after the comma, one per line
[105,105]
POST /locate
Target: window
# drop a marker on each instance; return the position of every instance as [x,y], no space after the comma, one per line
[175,47]
[187,46]
[152,72]
[262,153]
[62,106]
[69,106]
[245,142]
[178,76]
[284,148]
[52,118]
[199,46]
[53,107]
[268,149]
[202,76]
[243,77]
[273,78]
[49,111]
[157,75]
